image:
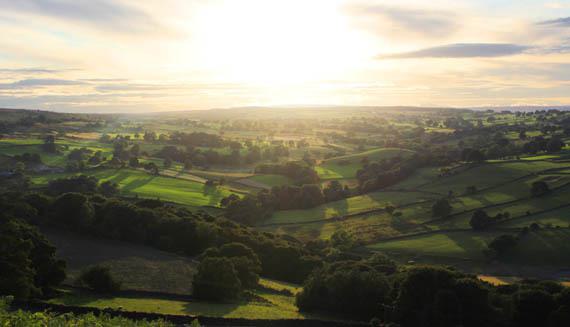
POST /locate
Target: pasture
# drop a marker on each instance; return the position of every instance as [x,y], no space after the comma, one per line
[542,248]
[138,183]
[137,267]
[345,167]
[348,206]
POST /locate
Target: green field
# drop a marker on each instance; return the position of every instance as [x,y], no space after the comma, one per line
[268,305]
[137,267]
[346,166]
[352,205]
[18,146]
[142,268]
[488,175]
[459,245]
[135,182]
[545,247]
[270,180]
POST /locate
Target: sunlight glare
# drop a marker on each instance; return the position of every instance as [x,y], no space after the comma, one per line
[268,42]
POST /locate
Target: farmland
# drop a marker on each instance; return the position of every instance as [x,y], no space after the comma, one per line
[152,199]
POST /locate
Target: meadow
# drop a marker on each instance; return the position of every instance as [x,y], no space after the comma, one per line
[138,183]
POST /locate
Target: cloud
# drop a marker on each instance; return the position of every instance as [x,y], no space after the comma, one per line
[417,21]
[30,71]
[101,13]
[38,82]
[462,50]
[559,22]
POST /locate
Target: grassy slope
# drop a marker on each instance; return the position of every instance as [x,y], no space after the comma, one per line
[350,205]
[488,175]
[137,267]
[271,180]
[271,306]
[333,169]
[380,225]
[134,182]
[144,268]
[545,247]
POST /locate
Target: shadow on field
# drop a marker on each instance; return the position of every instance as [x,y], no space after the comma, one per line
[137,183]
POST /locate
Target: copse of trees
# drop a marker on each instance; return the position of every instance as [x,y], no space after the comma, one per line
[430,296]
[252,209]
[80,184]
[500,246]
[480,220]
[349,288]
[29,268]
[99,279]
[225,272]
[539,188]
[169,228]
[441,208]
[49,145]
[28,158]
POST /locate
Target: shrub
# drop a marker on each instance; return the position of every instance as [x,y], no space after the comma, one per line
[99,279]
[539,188]
[216,279]
[441,208]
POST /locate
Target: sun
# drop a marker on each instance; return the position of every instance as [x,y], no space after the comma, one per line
[277,42]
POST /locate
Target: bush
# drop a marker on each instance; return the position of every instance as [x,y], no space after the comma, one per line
[350,289]
[109,188]
[99,279]
[244,260]
[441,208]
[28,267]
[216,279]
[539,188]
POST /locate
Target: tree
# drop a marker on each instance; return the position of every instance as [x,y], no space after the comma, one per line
[73,209]
[475,156]
[390,209]
[245,261]
[134,162]
[149,136]
[80,184]
[152,168]
[49,144]
[216,279]
[167,162]
[355,290]
[532,307]
[441,208]
[109,188]
[479,220]
[99,279]
[499,246]
[28,266]
[554,144]
[334,191]
[539,188]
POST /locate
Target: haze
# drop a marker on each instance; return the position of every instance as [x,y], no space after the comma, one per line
[141,56]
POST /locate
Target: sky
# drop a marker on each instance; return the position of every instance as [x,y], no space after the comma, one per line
[142,56]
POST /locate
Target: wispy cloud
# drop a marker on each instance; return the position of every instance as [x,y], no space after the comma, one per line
[104,14]
[559,22]
[462,50]
[416,21]
[31,71]
[38,82]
